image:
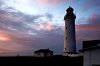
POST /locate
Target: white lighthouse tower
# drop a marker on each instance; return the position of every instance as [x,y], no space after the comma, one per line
[69,36]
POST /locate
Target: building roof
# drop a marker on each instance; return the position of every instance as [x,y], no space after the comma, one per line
[91,45]
[91,48]
[43,50]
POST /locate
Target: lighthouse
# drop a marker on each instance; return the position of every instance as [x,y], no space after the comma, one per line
[69,34]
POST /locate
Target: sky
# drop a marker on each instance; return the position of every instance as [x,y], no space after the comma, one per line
[29,25]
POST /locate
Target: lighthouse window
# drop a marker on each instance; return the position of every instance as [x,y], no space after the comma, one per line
[66,38]
[66,27]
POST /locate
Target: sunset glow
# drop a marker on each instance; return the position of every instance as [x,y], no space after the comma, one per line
[4,38]
[28,25]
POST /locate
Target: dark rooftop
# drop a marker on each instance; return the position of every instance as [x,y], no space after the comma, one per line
[90,45]
[43,50]
[70,9]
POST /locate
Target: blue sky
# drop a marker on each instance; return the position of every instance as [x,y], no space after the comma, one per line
[28,25]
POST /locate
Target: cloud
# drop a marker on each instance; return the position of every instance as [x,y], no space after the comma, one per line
[89,31]
[24,1]
[2,50]
[18,20]
[14,42]
[52,39]
[27,33]
[1,3]
[50,2]
[91,4]
[92,23]
[48,27]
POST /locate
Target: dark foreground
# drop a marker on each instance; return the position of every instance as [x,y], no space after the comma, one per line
[46,61]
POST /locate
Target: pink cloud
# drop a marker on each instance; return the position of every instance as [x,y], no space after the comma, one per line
[15,42]
[48,27]
[3,50]
[50,2]
[86,32]
[89,31]
[93,23]
[87,27]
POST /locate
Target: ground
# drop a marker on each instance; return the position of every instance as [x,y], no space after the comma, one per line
[45,61]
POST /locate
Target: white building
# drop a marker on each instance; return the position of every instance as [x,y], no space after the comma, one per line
[43,53]
[91,53]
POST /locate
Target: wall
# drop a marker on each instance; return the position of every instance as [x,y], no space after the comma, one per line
[41,54]
[92,57]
